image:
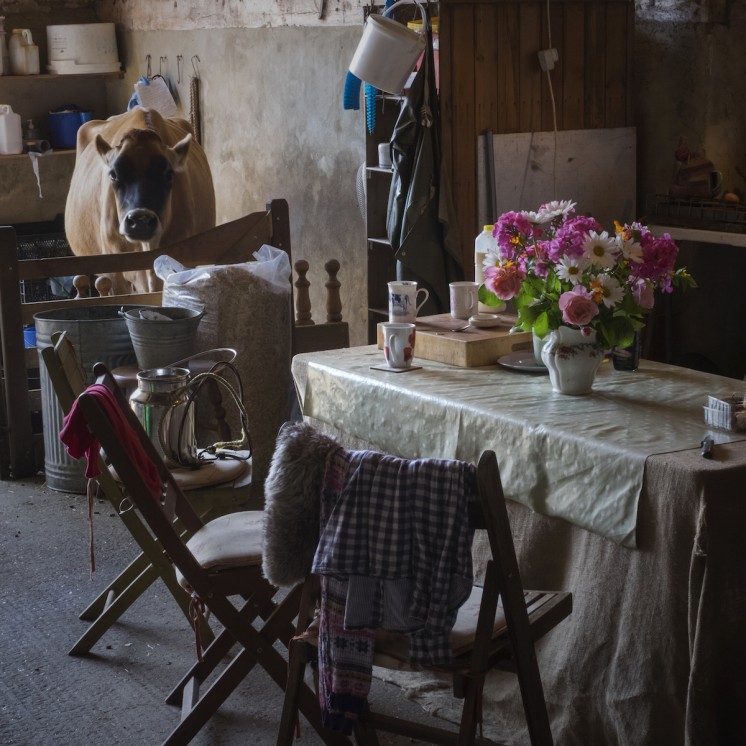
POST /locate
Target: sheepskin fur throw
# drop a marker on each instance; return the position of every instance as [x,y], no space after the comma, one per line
[291,493]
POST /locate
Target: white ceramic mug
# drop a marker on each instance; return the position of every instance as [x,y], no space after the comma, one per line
[464,299]
[403,306]
[398,344]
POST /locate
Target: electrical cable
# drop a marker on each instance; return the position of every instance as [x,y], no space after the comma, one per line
[554,108]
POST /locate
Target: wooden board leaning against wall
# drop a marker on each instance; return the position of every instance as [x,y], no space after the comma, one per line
[491,79]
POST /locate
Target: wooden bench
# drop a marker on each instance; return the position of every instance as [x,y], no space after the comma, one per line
[21,452]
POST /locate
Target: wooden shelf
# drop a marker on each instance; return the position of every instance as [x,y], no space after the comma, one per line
[382,241]
[700,236]
[57,76]
[16,156]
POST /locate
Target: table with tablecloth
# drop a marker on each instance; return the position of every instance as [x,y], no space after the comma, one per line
[611,499]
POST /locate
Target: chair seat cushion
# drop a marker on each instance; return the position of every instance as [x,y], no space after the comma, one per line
[392,648]
[233,540]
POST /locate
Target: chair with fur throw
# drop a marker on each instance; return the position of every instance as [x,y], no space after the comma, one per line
[387,543]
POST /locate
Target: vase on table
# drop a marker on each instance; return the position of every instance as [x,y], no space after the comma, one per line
[572,359]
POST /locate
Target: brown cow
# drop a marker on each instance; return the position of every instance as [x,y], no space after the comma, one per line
[140,181]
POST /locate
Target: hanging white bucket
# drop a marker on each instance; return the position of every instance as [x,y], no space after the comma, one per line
[387,52]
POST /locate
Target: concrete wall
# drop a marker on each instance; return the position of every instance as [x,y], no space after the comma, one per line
[271,81]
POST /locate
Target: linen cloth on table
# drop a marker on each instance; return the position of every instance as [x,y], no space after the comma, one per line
[394,552]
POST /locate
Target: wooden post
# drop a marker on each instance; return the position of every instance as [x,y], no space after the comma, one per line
[303,299]
[333,301]
[82,284]
[103,286]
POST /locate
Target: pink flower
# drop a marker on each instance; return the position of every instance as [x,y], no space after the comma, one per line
[577,306]
[504,280]
[570,237]
[512,231]
[658,257]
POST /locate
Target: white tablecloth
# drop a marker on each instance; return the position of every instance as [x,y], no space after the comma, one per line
[577,458]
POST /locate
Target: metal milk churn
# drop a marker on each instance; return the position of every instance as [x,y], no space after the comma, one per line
[160,403]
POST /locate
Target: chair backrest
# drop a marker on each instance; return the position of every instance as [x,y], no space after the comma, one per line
[158,514]
[65,371]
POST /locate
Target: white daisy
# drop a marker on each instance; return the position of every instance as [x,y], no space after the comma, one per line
[601,250]
[553,209]
[611,291]
[630,248]
[570,269]
[491,259]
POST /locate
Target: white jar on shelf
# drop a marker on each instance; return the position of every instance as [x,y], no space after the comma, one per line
[11,135]
[24,54]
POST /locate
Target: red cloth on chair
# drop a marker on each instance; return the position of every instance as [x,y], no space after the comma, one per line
[80,441]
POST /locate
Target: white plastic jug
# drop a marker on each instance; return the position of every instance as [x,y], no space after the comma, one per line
[24,54]
[11,136]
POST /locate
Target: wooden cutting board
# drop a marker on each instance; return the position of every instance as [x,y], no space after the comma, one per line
[470,348]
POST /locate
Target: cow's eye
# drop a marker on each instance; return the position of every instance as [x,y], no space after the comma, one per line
[113,176]
[169,176]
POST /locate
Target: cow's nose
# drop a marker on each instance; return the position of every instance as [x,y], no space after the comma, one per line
[140,224]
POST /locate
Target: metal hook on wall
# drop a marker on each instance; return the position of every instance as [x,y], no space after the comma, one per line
[148,71]
[160,65]
[194,66]
[179,66]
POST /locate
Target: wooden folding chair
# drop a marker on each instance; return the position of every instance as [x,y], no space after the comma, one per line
[221,559]
[496,628]
[213,493]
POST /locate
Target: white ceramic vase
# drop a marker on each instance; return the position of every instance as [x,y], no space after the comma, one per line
[572,359]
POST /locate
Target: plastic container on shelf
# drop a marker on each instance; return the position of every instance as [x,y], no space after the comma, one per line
[24,54]
[11,134]
[64,123]
[483,243]
[82,48]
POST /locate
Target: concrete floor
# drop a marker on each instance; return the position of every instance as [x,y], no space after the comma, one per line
[115,695]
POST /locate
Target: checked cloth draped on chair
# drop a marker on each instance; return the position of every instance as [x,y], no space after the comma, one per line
[392,554]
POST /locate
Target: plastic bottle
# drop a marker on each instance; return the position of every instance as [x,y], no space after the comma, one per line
[4,55]
[483,243]
[24,54]
[11,135]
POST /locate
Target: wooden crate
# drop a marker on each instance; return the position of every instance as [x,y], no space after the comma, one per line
[470,348]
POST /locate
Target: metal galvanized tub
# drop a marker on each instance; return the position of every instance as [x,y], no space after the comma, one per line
[99,335]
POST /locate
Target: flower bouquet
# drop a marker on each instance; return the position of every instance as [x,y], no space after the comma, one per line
[565,269]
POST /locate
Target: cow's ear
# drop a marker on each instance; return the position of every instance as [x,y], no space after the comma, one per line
[103,148]
[180,151]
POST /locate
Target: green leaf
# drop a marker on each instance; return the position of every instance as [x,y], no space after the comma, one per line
[489,298]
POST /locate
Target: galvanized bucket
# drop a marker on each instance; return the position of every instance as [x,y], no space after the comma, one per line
[158,342]
[99,335]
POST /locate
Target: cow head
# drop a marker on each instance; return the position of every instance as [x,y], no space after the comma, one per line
[141,171]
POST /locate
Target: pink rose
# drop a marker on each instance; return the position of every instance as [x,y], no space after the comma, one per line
[578,306]
[504,281]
